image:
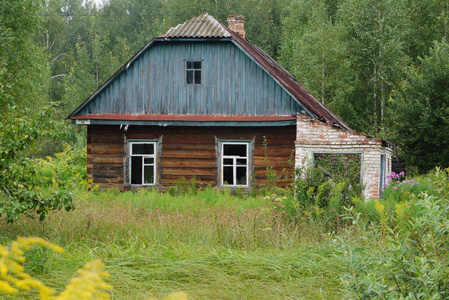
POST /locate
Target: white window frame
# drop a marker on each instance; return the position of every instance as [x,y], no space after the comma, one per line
[154,164]
[234,163]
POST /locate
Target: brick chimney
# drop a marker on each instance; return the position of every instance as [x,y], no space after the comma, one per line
[237,24]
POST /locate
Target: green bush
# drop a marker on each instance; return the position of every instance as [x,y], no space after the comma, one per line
[403,255]
[324,189]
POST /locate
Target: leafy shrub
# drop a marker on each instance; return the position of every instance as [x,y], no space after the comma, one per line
[68,166]
[404,254]
[22,189]
[322,190]
[408,261]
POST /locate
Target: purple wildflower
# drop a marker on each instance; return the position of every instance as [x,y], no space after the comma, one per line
[402,174]
[408,182]
[417,183]
[398,181]
[395,188]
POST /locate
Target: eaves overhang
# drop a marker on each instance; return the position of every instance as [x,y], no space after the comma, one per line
[185,120]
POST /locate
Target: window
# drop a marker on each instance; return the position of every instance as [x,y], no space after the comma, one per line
[342,165]
[142,164]
[234,163]
[193,71]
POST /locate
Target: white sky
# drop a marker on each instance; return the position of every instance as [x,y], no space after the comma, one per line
[99,2]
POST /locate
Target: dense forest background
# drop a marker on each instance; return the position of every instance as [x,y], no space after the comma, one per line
[380,65]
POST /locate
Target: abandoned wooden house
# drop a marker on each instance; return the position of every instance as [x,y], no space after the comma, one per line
[202,101]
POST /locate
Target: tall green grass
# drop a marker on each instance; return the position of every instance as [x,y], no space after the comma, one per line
[210,244]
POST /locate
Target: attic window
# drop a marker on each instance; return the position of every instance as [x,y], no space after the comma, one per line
[193,72]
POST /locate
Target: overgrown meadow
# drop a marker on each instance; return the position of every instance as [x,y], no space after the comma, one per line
[322,242]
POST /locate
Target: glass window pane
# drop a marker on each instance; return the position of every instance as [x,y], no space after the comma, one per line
[136,170]
[148,175]
[142,148]
[197,77]
[235,150]
[241,176]
[241,161]
[197,65]
[188,64]
[228,161]
[228,175]
[189,77]
[149,160]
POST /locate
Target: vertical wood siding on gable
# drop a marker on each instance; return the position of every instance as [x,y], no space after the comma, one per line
[186,152]
[232,84]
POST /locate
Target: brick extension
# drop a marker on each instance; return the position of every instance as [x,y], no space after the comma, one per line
[313,136]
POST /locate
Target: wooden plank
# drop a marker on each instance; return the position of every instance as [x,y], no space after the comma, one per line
[189,171]
[143,136]
[188,153]
[203,180]
[118,180]
[279,152]
[111,167]
[274,159]
[106,158]
[262,173]
[188,139]
[116,148]
[108,174]
[110,139]
[166,146]
[187,163]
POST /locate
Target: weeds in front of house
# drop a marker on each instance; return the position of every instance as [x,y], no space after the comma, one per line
[404,254]
[323,241]
[234,247]
[323,190]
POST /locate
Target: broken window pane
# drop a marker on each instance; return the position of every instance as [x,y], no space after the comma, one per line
[241,175]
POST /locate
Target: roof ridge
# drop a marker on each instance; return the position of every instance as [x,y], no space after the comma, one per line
[202,26]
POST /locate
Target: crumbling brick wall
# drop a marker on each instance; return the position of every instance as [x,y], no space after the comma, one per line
[313,136]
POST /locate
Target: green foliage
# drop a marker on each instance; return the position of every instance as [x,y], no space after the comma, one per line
[403,254]
[329,178]
[420,122]
[408,261]
[263,17]
[23,189]
[315,50]
[68,166]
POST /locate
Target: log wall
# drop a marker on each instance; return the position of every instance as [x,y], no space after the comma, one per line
[186,152]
